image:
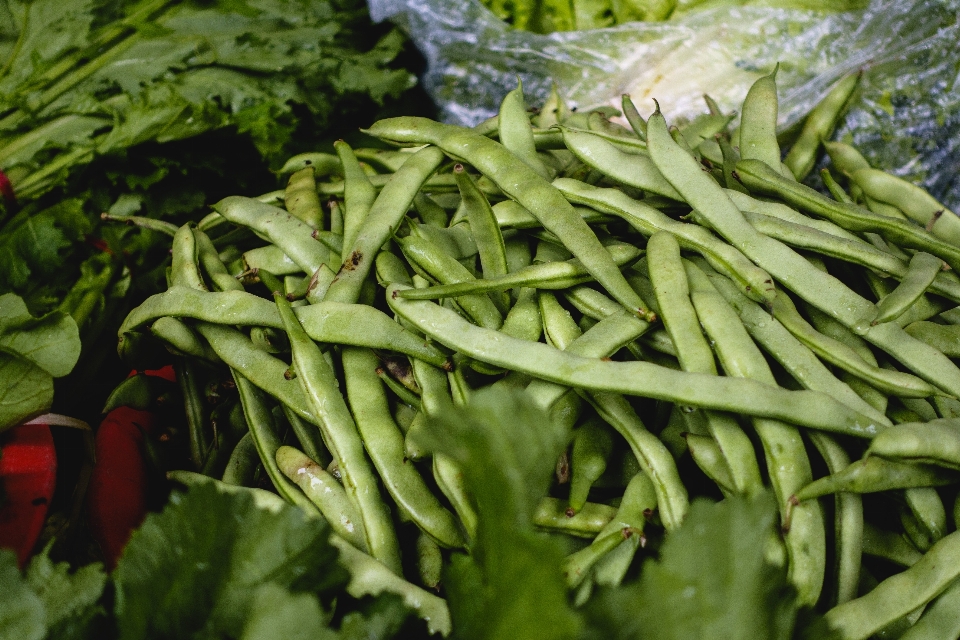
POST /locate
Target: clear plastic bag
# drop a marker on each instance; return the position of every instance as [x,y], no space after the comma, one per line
[906,118]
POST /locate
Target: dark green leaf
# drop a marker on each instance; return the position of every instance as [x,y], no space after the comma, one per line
[277,613]
[713,580]
[22,616]
[193,570]
[71,601]
[511,585]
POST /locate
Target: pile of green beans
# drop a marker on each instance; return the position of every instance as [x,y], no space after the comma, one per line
[703,321]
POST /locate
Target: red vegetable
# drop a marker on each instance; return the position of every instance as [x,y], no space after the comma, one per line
[28,475]
[117,497]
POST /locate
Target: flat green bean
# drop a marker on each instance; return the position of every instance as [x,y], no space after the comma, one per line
[329,322]
[900,594]
[320,388]
[808,408]
[936,442]
[524,185]
[632,169]
[872,474]
[292,236]
[385,214]
[920,274]
[301,199]
[819,126]
[325,492]
[552,514]
[385,445]
[513,125]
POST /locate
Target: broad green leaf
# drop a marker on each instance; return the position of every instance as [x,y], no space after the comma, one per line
[276,613]
[26,390]
[194,569]
[51,342]
[22,615]
[713,580]
[510,586]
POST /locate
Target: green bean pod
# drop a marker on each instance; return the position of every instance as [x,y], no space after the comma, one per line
[292,236]
[898,595]
[182,339]
[513,125]
[888,545]
[873,474]
[944,338]
[524,185]
[707,454]
[301,199]
[632,378]
[545,275]
[552,514]
[920,274]
[211,264]
[653,456]
[912,200]
[787,461]
[941,618]
[592,445]
[325,492]
[848,523]
[637,123]
[385,446]
[358,192]
[842,356]
[266,441]
[799,361]
[242,465]
[819,126]
[632,169]
[270,258]
[758,123]
[329,322]
[928,512]
[320,388]
[381,221]
[426,257]
[761,178]
[936,442]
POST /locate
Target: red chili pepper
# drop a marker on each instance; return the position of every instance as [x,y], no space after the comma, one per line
[28,475]
[6,190]
[117,497]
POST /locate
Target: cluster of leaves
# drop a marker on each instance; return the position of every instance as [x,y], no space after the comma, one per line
[213,564]
[33,351]
[157,108]
[93,77]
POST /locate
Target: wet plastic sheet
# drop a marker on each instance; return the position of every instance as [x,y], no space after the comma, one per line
[906,118]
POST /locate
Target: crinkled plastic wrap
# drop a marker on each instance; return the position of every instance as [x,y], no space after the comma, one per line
[906,118]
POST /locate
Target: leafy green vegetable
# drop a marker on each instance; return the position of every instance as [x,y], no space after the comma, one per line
[713,580]
[85,78]
[48,599]
[511,585]
[33,351]
[195,569]
[21,610]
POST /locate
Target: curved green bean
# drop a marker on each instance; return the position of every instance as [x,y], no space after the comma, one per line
[385,214]
[330,322]
[385,446]
[808,408]
[524,185]
[325,492]
[900,594]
